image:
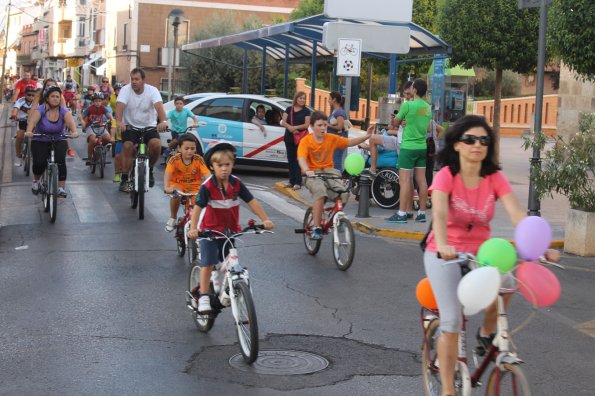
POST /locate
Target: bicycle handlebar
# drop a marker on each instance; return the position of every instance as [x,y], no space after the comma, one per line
[141,130]
[54,136]
[178,194]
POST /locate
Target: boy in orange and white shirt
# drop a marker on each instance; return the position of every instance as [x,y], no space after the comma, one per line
[315,155]
[185,172]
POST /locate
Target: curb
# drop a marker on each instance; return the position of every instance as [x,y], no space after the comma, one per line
[383,232]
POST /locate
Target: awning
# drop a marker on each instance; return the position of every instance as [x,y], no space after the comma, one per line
[456,71]
[100,71]
[299,37]
[92,58]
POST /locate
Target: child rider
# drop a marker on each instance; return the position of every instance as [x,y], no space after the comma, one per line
[178,117]
[185,172]
[95,113]
[218,208]
[315,155]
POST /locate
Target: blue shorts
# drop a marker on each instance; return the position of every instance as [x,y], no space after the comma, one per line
[118,147]
[211,251]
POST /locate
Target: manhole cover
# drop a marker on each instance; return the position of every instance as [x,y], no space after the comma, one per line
[281,362]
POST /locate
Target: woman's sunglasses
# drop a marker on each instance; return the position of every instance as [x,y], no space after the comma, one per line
[105,81]
[471,139]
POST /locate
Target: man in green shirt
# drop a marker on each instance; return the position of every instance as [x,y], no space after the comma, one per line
[412,157]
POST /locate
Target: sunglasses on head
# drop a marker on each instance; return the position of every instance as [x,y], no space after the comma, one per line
[471,139]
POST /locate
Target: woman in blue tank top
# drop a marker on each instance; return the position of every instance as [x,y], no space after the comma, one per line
[50,118]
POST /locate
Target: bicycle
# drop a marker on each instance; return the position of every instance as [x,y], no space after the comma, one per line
[99,151]
[234,291]
[170,152]
[138,179]
[26,158]
[183,226]
[48,181]
[333,220]
[506,377]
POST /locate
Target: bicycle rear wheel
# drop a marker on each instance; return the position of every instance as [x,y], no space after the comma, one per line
[203,323]
[312,246]
[192,251]
[430,366]
[386,188]
[53,192]
[508,381]
[141,190]
[344,247]
[181,242]
[247,326]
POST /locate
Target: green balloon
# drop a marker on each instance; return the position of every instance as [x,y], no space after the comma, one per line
[499,253]
[354,164]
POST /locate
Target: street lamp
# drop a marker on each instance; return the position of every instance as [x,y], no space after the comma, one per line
[174,14]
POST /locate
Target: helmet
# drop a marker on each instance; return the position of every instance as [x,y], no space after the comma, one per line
[97,95]
[85,90]
[218,145]
[92,87]
[52,88]
[117,86]
[68,86]
[30,89]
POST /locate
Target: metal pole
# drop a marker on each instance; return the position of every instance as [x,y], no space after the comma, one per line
[368,99]
[263,72]
[176,24]
[534,204]
[313,75]
[169,70]
[5,48]
[286,71]
[348,95]
[392,74]
[245,73]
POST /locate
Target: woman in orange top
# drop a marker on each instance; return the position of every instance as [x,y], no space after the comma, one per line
[315,155]
[185,172]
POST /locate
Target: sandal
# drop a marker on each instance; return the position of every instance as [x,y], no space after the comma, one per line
[297,187]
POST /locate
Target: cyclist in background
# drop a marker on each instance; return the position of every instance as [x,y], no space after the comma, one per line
[218,198]
[70,97]
[96,113]
[178,117]
[139,105]
[464,193]
[185,172]
[20,112]
[49,118]
[315,155]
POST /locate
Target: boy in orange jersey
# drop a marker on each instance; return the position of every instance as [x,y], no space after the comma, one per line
[315,155]
[185,172]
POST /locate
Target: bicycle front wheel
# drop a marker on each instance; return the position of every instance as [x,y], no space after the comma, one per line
[45,190]
[53,192]
[344,246]
[100,155]
[27,159]
[312,246]
[247,326]
[141,190]
[203,323]
[508,381]
[132,192]
[192,251]
[386,188]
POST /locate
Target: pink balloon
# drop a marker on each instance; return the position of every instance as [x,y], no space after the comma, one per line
[537,284]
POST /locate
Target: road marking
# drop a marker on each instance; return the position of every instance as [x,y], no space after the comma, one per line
[588,328]
[91,205]
[252,186]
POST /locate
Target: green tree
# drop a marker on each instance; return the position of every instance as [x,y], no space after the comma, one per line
[493,34]
[307,8]
[572,35]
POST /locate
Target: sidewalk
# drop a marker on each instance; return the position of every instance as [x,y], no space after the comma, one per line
[515,164]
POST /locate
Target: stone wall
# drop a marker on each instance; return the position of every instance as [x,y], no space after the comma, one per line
[575,97]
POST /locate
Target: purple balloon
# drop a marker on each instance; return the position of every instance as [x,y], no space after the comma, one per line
[532,236]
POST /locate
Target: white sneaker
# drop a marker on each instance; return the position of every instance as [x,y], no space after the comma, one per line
[204,304]
[18,163]
[35,188]
[169,226]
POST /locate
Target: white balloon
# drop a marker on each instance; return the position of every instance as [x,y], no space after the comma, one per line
[478,289]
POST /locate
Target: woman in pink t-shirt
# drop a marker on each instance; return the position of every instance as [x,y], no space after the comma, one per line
[464,193]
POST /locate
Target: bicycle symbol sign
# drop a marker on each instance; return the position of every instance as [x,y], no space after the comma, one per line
[349,57]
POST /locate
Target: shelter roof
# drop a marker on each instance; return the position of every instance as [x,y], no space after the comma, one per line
[299,36]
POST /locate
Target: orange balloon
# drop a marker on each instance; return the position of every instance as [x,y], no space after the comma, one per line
[425,295]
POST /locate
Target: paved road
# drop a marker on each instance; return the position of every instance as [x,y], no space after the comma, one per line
[95,305]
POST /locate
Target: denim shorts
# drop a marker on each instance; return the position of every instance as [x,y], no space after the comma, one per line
[211,251]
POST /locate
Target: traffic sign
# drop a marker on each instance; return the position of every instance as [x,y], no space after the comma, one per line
[375,38]
[349,56]
[370,10]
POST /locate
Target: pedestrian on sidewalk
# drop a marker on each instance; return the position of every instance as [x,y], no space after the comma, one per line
[336,126]
[412,156]
[296,119]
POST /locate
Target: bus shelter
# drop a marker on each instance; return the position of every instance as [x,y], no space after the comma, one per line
[300,41]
